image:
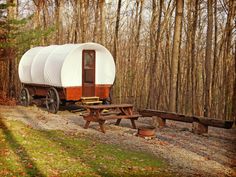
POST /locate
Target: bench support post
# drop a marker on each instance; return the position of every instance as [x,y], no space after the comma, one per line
[101,124]
[118,122]
[87,124]
[161,122]
[199,128]
[133,123]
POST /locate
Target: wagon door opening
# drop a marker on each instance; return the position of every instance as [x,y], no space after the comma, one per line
[88,74]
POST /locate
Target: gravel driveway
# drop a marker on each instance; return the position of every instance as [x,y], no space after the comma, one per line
[186,153]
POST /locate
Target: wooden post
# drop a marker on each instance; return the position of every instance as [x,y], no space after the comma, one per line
[133,123]
[154,121]
[101,124]
[199,128]
[118,122]
[158,121]
[87,124]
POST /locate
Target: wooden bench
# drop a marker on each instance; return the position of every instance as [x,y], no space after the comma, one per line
[115,111]
[200,124]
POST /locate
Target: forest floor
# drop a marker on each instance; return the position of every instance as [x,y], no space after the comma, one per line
[187,154]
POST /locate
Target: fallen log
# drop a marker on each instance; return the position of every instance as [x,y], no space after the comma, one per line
[227,124]
[186,118]
[166,115]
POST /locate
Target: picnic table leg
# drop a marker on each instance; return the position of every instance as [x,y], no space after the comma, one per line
[118,122]
[87,124]
[133,123]
[101,124]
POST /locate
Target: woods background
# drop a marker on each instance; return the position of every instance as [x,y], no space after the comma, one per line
[171,55]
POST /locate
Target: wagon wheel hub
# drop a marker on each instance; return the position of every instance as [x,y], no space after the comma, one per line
[23,98]
[51,101]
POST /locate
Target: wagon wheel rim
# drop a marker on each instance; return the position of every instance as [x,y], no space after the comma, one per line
[52,101]
[24,97]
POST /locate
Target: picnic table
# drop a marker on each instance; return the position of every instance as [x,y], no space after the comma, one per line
[101,113]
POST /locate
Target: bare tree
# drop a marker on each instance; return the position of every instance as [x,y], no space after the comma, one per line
[154,43]
[116,31]
[11,77]
[226,57]
[233,114]
[207,83]
[175,54]
[58,17]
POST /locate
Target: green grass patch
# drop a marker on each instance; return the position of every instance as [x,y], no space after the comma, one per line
[28,152]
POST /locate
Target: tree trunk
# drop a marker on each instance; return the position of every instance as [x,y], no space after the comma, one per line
[116,31]
[59,26]
[95,29]
[226,57]
[214,95]
[233,114]
[193,53]
[207,83]
[11,77]
[45,21]
[76,19]
[102,20]
[154,43]
[188,95]
[175,54]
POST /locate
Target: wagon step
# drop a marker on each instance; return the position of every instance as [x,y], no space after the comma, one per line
[90,98]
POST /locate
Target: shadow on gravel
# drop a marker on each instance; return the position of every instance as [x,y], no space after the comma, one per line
[85,158]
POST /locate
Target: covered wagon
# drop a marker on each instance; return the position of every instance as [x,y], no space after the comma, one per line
[63,73]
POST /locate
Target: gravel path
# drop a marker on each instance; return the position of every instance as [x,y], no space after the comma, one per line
[187,154]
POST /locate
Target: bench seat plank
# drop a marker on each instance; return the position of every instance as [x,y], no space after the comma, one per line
[110,113]
[119,117]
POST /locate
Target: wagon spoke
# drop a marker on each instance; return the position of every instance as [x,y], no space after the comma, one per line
[54,107]
[51,107]
[50,94]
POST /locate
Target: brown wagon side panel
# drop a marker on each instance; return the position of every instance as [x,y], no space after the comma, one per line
[68,93]
[73,93]
[102,91]
[42,90]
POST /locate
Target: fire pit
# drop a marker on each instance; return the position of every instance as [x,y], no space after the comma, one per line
[147,131]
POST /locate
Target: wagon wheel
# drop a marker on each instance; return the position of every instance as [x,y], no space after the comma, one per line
[25,98]
[52,101]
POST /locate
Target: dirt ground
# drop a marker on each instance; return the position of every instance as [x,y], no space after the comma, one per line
[188,154]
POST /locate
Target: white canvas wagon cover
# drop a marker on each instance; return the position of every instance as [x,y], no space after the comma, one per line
[61,65]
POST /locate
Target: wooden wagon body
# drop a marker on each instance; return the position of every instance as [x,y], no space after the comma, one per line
[66,73]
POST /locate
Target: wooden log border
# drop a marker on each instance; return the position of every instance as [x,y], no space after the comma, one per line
[197,120]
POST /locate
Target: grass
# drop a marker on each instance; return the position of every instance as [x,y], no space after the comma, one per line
[28,152]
